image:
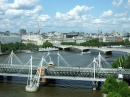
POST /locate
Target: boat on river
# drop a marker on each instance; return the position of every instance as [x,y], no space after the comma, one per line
[108,56]
[48,49]
[83,53]
[27,51]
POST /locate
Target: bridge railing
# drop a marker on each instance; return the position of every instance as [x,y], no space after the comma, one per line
[16,69]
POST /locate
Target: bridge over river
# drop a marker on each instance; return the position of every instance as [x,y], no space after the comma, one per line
[105,50]
[96,71]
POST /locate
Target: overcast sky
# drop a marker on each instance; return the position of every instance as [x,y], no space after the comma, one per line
[65,15]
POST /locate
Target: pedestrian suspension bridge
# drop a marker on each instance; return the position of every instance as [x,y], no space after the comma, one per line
[96,71]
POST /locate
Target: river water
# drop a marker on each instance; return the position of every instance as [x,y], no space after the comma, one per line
[61,88]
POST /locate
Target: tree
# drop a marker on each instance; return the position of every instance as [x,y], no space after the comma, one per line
[47,44]
[125,92]
[115,89]
[122,84]
[110,85]
[128,62]
[114,94]
[16,46]
[121,61]
[116,63]
[69,43]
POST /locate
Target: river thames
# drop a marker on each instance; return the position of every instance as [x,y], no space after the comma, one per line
[61,88]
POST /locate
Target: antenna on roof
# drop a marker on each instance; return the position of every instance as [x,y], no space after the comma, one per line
[39,29]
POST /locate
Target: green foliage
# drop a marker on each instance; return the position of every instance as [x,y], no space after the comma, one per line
[17,46]
[113,94]
[116,63]
[47,44]
[125,92]
[115,89]
[8,47]
[128,62]
[127,42]
[110,85]
[31,46]
[121,61]
[122,84]
[69,43]
[93,42]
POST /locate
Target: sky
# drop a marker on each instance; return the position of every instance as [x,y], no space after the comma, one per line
[65,15]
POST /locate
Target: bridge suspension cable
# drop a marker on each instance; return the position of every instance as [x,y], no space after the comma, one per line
[102,63]
[60,60]
[60,57]
[92,64]
[12,59]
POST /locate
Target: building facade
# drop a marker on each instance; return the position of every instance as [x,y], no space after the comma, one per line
[10,39]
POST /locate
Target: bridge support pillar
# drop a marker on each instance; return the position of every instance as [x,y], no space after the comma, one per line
[96,85]
[43,80]
[1,77]
[120,75]
[9,77]
[50,82]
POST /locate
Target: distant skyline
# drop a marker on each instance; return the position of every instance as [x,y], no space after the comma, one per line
[65,15]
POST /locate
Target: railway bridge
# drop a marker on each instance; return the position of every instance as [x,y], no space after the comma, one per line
[96,71]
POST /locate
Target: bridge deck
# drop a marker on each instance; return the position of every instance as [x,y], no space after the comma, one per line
[71,73]
[105,49]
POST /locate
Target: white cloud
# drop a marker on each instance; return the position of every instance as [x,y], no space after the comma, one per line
[121,14]
[84,17]
[13,13]
[36,10]
[97,21]
[43,18]
[3,1]
[75,13]
[114,21]
[117,2]
[128,1]
[101,21]
[80,10]
[123,19]
[23,4]
[26,13]
[76,17]
[3,7]
[127,6]
[1,12]
[21,14]
[126,26]
[106,14]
